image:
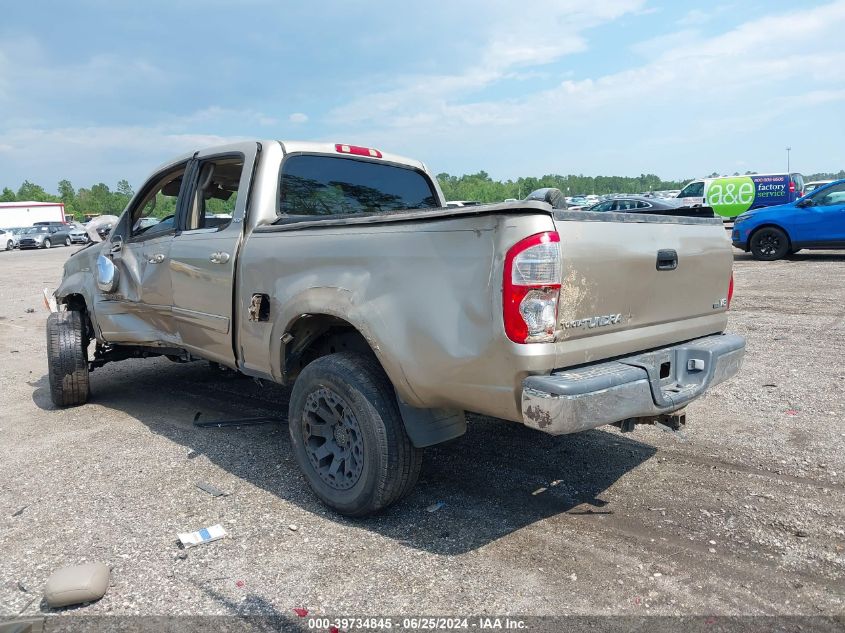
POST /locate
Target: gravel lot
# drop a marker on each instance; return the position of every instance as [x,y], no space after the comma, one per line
[745,515]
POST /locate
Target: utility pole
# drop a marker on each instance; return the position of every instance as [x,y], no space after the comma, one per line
[788,149]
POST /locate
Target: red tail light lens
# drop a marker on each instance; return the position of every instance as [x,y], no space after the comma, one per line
[730,291]
[531,288]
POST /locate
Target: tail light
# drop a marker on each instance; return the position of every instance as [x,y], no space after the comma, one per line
[791,186]
[730,291]
[357,150]
[531,288]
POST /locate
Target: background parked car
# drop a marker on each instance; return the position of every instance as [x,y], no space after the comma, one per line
[44,236]
[78,234]
[7,239]
[729,196]
[815,221]
[815,184]
[654,206]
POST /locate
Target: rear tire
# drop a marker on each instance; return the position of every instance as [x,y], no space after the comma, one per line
[67,358]
[348,436]
[769,244]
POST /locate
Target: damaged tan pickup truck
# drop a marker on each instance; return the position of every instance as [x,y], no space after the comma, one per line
[339,270]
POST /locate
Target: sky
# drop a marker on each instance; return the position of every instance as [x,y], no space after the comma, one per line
[97,90]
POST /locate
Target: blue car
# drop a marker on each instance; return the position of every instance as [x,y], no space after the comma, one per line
[815,221]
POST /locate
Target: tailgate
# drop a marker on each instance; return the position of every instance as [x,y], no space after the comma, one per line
[635,282]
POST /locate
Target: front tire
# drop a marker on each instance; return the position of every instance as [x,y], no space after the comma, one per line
[10,245]
[67,241]
[348,436]
[769,244]
[47,243]
[67,358]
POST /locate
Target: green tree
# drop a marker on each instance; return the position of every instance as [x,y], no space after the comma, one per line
[31,191]
[68,196]
[8,195]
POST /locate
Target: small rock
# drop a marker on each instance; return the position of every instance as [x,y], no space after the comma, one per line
[292,527]
[712,542]
[712,550]
[657,574]
[182,555]
[573,577]
[801,534]
[30,310]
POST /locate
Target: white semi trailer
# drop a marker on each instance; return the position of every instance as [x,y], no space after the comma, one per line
[15,214]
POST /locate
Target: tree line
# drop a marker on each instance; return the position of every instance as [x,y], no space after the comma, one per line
[481,187]
[101,199]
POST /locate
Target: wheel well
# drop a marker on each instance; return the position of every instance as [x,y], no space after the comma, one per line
[76,303]
[316,335]
[769,226]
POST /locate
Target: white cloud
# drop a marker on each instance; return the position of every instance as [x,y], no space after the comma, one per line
[98,153]
[298,117]
[215,115]
[720,89]
[695,17]
[514,41]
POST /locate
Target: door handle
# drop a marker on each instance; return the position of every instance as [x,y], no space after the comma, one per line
[156,259]
[667,259]
[219,257]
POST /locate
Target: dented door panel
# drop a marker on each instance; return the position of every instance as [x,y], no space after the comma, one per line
[140,310]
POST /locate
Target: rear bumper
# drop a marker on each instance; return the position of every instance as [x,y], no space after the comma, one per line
[572,400]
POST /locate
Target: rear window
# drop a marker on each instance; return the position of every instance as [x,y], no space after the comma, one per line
[315,185]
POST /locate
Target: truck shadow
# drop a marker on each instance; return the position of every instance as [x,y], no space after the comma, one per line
[493,481]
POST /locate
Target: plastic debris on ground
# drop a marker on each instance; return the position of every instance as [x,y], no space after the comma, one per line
[214,491]
[219,424]
[205,535]
[434,507]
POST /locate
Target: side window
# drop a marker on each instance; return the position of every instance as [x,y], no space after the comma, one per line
[603,206]
[831,196]
[693,190]
[215,195]
[641,204]
[155,214]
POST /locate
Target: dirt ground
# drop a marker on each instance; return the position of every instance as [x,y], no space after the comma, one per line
[744,515]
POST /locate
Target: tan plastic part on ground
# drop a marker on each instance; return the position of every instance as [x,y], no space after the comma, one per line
[77,584]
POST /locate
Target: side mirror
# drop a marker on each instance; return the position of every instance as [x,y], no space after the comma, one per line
[117,244]
[805,202]
[108,275]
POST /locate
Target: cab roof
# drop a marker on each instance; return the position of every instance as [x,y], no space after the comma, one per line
[290,147]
